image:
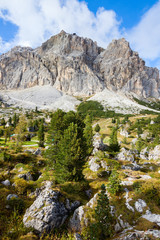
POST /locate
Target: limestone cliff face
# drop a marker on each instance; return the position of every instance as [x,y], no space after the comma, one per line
[70,60]
[77,66]
[22,68]
[123,69]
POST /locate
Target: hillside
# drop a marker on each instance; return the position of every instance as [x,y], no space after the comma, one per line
[124,154]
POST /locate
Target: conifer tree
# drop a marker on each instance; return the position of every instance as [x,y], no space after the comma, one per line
[21,129]
[139,144]
[57,126]
[139,130]
[97,128]
[88,135]
[15,120]
[113,143]
[41,135]
[69,156]
[6,134]
[114,185]
[103,215]
[102,225]
[10,120]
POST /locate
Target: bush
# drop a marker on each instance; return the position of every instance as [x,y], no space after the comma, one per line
[21,186]
[137,186]
[95,109]
[113,164]
[151,191]
[114,185]
[97,128]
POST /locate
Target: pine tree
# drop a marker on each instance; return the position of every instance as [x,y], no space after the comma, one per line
[103,215]
[41,135]
[102,225]
[88,135]
[113,143]
[6,134]
[139,144]
[113,120]
[57,126]
[114,185]
[15,120]
[97,128]
[21,129]
[10,120]
[139,130]
[68,156]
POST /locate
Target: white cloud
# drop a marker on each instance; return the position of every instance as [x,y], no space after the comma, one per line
[37,20]
[145,37]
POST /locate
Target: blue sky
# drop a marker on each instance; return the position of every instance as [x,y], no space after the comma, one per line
[31,22]
[128,11]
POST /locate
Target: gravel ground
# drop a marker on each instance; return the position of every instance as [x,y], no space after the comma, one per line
[119,102]
[44,97]
[48,97]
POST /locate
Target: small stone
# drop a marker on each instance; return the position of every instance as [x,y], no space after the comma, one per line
[10,196]
[6,182]
[89,193]
[21,169]
[93,165]
[77,236]
[139,205]
[38,152]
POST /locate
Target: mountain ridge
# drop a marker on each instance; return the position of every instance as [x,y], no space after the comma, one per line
[78,67]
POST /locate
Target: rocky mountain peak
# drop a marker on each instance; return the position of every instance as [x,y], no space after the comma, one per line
[78,66]
[119,49]
[70,44]
[123,69]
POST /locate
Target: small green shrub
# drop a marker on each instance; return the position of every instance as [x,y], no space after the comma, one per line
[21,186]
[97,128]
[151,191]
[114,185]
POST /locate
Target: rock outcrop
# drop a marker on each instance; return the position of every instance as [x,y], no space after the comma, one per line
[47,212]
[79,218]
[98,143]
[127,155]
[77,66]
[155,153]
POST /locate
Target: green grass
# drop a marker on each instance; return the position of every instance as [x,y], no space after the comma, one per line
[30,143]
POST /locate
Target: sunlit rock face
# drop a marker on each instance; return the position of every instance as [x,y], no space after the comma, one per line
[77,66]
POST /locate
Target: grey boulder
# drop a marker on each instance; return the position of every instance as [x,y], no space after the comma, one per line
[47,212]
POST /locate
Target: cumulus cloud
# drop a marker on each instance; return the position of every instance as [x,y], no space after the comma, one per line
[37,20]
[145,37]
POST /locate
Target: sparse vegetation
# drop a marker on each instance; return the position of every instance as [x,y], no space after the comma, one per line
[69,139]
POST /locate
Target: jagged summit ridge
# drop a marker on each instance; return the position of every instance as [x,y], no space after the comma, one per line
[66,44]
[77,66]
[123,69]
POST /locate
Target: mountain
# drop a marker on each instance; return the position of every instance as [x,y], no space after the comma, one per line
[77,66]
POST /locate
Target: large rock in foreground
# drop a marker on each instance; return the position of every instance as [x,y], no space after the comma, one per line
[47,212]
